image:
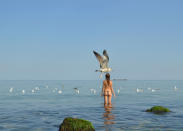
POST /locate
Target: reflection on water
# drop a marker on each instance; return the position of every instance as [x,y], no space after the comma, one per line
[108,117]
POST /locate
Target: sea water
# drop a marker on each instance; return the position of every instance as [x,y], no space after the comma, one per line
[43,105]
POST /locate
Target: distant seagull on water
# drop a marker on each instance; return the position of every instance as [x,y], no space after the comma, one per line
[76,90]
[153,90]
[175,88]
[60,92]
[139,90]
[118,91]
[33,91]
[37,88]
[103,60]
[11,90]
[23,91]
[93,91]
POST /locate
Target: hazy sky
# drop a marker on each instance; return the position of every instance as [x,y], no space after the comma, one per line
[54,40]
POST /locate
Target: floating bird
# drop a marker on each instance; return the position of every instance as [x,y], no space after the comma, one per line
[37,88]
[139,90]
[60,92]
[149,88]
[54,90]
[153,90]
[23,91]
[11,90]
[175,88]
[93,91]
[103,60]
[33,91]
[118,91]
[76,90]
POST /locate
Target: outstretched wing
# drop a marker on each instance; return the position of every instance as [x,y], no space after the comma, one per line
[105,59]
[99,58]
[106,55]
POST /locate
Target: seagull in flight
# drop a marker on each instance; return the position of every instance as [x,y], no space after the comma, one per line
[103,60]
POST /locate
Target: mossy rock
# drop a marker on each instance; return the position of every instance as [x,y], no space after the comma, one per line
[158,110]
[74,124]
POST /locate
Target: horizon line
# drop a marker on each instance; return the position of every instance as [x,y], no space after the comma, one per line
[95,80]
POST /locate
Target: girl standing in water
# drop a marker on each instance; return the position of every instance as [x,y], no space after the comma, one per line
[107,90]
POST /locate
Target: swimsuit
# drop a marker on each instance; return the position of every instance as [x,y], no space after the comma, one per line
[107,89]
[107,92]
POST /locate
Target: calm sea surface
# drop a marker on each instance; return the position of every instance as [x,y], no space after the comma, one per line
[42,105]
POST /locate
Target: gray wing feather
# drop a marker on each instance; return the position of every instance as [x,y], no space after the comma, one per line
[105,59]
[99,58]
[105,54]
[102,60]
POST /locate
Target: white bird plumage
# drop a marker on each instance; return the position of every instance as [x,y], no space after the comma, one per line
[33,91]
[139,90]
[153,90]
[23,91]
[118,91]
[11,90]
[93,91]
[60,92]
[149,88]
[37,88]
[175,88]
[76,90]
[103,60]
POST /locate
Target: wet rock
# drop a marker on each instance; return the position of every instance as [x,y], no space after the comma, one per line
[74,124]
[158,110]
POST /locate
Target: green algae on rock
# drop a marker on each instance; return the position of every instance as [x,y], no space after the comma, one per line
[158,110]
[74,124]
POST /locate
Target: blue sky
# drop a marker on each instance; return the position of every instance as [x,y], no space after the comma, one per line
[54,40]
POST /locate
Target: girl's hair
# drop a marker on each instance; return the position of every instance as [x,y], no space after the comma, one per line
[107,77]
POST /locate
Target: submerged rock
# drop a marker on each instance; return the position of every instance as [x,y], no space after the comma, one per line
[158,110]
[74,124]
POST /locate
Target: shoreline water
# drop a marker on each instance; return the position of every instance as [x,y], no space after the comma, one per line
[46,109]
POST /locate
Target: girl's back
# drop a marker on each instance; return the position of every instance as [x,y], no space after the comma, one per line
[107,85]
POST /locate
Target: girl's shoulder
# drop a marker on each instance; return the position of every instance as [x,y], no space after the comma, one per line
[104,81]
